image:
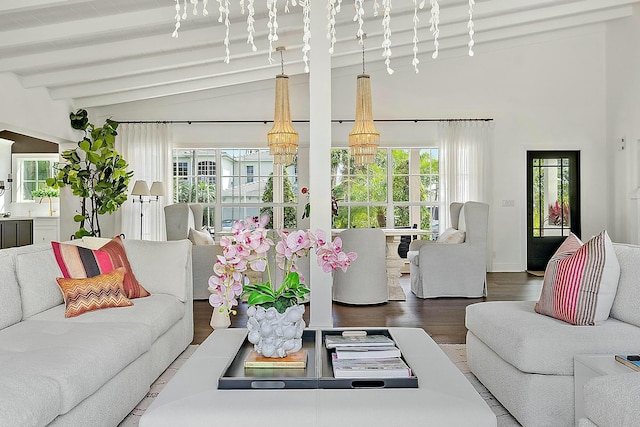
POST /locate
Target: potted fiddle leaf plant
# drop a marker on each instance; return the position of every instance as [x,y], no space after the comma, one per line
[95,172]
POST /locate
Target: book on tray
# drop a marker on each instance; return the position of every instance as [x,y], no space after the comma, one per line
[339,341]
[367,352]
[370,368]
[631,360]
[293,360]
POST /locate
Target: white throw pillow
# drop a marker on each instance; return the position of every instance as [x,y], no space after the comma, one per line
[451,236]
[200,237]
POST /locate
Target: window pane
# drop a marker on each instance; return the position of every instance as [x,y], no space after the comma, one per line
[429,190]
[44,169]
[401,188]
[28,187]
[377,185]
[401,216]
[359,188]
[29,168]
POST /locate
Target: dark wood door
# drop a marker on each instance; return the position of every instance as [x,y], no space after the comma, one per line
[553,203]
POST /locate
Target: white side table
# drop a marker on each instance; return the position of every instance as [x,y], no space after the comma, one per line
[587,366]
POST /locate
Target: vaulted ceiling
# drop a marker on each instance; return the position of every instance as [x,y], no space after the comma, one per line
[103,52]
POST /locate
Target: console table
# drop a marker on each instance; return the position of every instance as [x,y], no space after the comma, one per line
[444,397]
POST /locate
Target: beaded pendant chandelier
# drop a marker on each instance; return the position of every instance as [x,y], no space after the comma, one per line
[282,138]
[364,139]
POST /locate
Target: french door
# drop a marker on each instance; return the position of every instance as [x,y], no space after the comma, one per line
[553,203]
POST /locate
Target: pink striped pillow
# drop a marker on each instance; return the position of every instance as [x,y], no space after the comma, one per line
[580,281]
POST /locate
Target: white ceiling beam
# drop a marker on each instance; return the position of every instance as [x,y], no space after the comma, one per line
[11,6]
[180,88]
[79,28]
[143,47]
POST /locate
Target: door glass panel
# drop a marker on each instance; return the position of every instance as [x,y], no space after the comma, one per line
[551,197]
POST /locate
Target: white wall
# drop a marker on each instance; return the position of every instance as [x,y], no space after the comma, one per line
[623,118]
[544,92]
[30,112]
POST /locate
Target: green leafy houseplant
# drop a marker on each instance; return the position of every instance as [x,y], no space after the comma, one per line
[45,192]
[95,172]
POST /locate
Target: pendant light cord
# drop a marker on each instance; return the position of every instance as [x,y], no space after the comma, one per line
[364,36]
[281,61]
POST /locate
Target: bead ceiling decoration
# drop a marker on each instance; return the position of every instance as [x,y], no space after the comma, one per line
[383,7]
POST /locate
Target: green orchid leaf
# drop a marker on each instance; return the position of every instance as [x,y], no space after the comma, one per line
[258,299]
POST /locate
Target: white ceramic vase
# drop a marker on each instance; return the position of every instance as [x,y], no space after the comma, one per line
[275,334]
[220,319]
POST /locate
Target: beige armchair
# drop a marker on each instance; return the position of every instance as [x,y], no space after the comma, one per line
[365,282]
[179,218]
[458,269]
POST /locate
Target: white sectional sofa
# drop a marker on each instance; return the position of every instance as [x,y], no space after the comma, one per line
[94,368]
[526,359]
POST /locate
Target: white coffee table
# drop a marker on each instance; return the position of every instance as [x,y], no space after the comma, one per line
[444,396]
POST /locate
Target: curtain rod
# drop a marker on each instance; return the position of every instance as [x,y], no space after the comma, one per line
[297,121]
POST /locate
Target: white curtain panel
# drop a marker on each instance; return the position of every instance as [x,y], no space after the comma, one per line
[465,163]
[147,149]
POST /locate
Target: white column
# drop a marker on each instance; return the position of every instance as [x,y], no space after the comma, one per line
[320,155]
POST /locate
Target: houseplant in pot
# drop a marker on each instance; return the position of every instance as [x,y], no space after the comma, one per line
[95,172]
[275,321]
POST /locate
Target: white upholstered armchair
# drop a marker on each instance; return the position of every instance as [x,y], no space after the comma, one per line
[179,219]
[453,269]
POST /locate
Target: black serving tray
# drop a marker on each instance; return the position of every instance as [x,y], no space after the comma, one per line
[236,376]
[327,380]
[317,374]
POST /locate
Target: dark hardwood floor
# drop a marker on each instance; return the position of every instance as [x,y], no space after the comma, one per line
[442,318]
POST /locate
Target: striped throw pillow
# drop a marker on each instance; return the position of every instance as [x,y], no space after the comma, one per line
[78,262]
[580,281]
[115,249]
[102,291]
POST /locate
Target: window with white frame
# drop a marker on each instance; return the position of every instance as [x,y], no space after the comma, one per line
[207,171]
[249,173]
[234,184]
[31,172]
[400,189]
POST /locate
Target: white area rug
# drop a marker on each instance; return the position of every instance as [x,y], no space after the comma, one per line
[396,293]
[456,352]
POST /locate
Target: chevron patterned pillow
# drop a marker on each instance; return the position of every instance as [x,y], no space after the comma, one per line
[102,291]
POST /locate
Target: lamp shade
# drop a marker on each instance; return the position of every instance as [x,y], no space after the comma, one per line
[364,138]
[157,188]
[140,188]
[282,138]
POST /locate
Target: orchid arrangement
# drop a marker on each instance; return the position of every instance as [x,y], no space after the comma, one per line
[247,249]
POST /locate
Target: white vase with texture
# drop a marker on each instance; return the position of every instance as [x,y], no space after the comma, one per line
[275,334]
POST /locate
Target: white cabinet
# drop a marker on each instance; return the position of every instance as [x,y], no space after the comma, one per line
[46,230]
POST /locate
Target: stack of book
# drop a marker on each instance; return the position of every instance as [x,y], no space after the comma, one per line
[366,356]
